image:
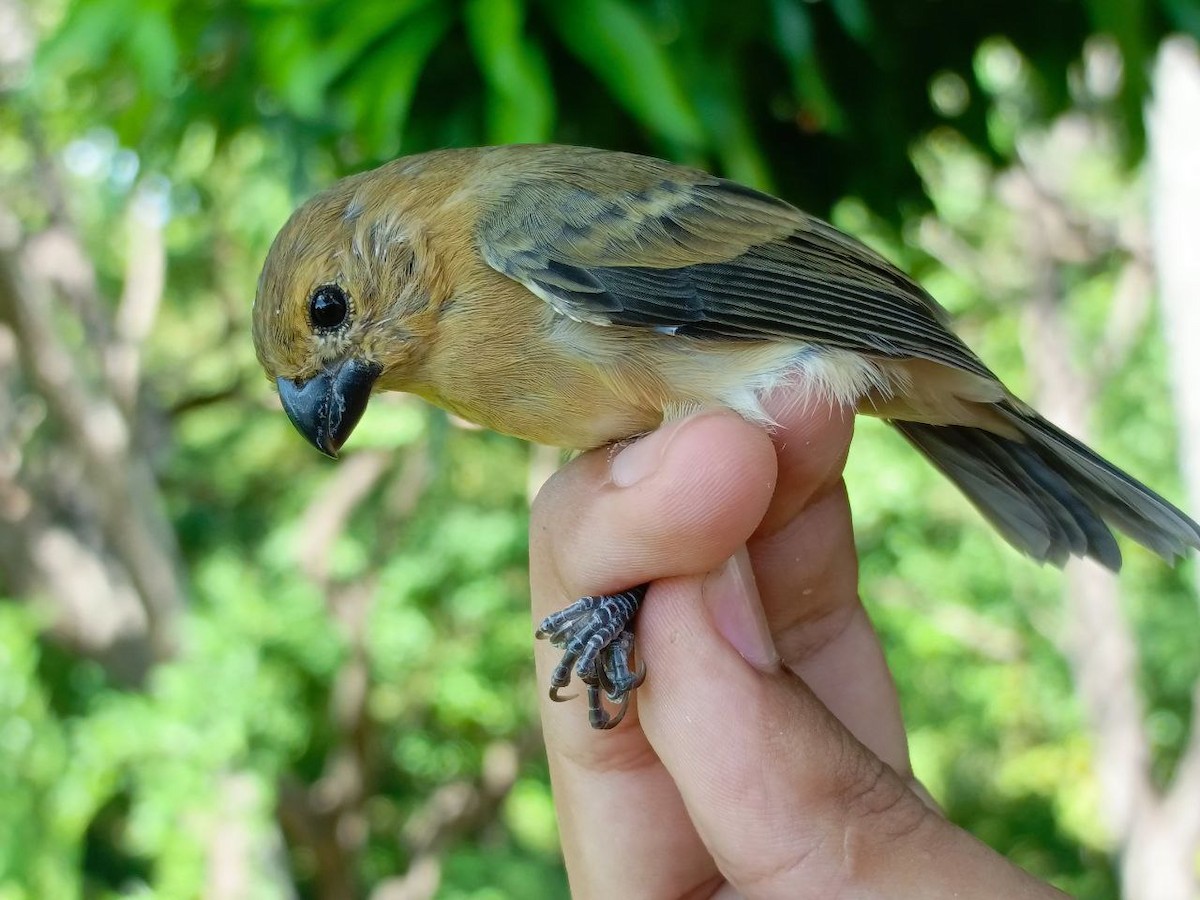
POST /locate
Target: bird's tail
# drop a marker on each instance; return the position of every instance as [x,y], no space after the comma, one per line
[1050,495]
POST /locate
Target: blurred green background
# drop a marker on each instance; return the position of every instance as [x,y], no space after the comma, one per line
[231,668]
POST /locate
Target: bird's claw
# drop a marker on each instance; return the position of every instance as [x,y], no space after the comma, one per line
[560,698]
[599,717]
[595,634]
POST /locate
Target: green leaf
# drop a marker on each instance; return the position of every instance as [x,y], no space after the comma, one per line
[1185,15]
[84,37]
[1127,22]
[616,42]
[855,17]
[520,101]
[794,36]
[152,46]
[286,50]
[380,91]
[724,109]
[372,21]
[303,62]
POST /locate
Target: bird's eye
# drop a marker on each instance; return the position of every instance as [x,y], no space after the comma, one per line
[328,307]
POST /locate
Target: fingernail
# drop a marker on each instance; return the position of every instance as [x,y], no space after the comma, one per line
[732,598]
[641,458]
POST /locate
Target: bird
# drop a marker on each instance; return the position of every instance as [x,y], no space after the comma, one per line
[579,297]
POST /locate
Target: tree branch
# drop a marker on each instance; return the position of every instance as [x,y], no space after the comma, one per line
[127,502]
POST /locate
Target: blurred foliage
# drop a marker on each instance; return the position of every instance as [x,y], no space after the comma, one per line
[820,97]
[219,116]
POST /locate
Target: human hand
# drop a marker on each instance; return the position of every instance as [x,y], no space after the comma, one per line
[765,754]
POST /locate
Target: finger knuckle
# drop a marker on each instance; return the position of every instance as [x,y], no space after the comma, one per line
[876,807]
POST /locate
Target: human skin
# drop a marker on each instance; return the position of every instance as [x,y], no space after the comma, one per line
[765,755]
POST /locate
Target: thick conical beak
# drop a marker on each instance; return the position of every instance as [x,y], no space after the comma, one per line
[326,407]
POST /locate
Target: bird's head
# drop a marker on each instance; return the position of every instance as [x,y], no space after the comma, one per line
[339,306]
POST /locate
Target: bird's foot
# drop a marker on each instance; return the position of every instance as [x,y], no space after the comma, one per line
[596,637]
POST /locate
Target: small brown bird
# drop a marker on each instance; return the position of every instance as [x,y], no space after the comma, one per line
[575,297]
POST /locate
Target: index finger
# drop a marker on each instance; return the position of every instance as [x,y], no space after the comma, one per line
[622,822]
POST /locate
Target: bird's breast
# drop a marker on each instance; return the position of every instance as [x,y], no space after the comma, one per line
[572,384]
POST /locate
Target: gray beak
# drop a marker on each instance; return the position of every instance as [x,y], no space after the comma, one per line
[326,407]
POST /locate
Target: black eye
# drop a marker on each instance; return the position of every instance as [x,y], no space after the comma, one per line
[328,307]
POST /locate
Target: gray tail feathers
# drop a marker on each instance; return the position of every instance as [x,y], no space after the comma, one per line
[1051,496]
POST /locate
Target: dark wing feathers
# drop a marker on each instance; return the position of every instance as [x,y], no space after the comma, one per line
[710,258]
[752,297]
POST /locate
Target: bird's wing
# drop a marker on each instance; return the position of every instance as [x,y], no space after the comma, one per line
[623,240]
